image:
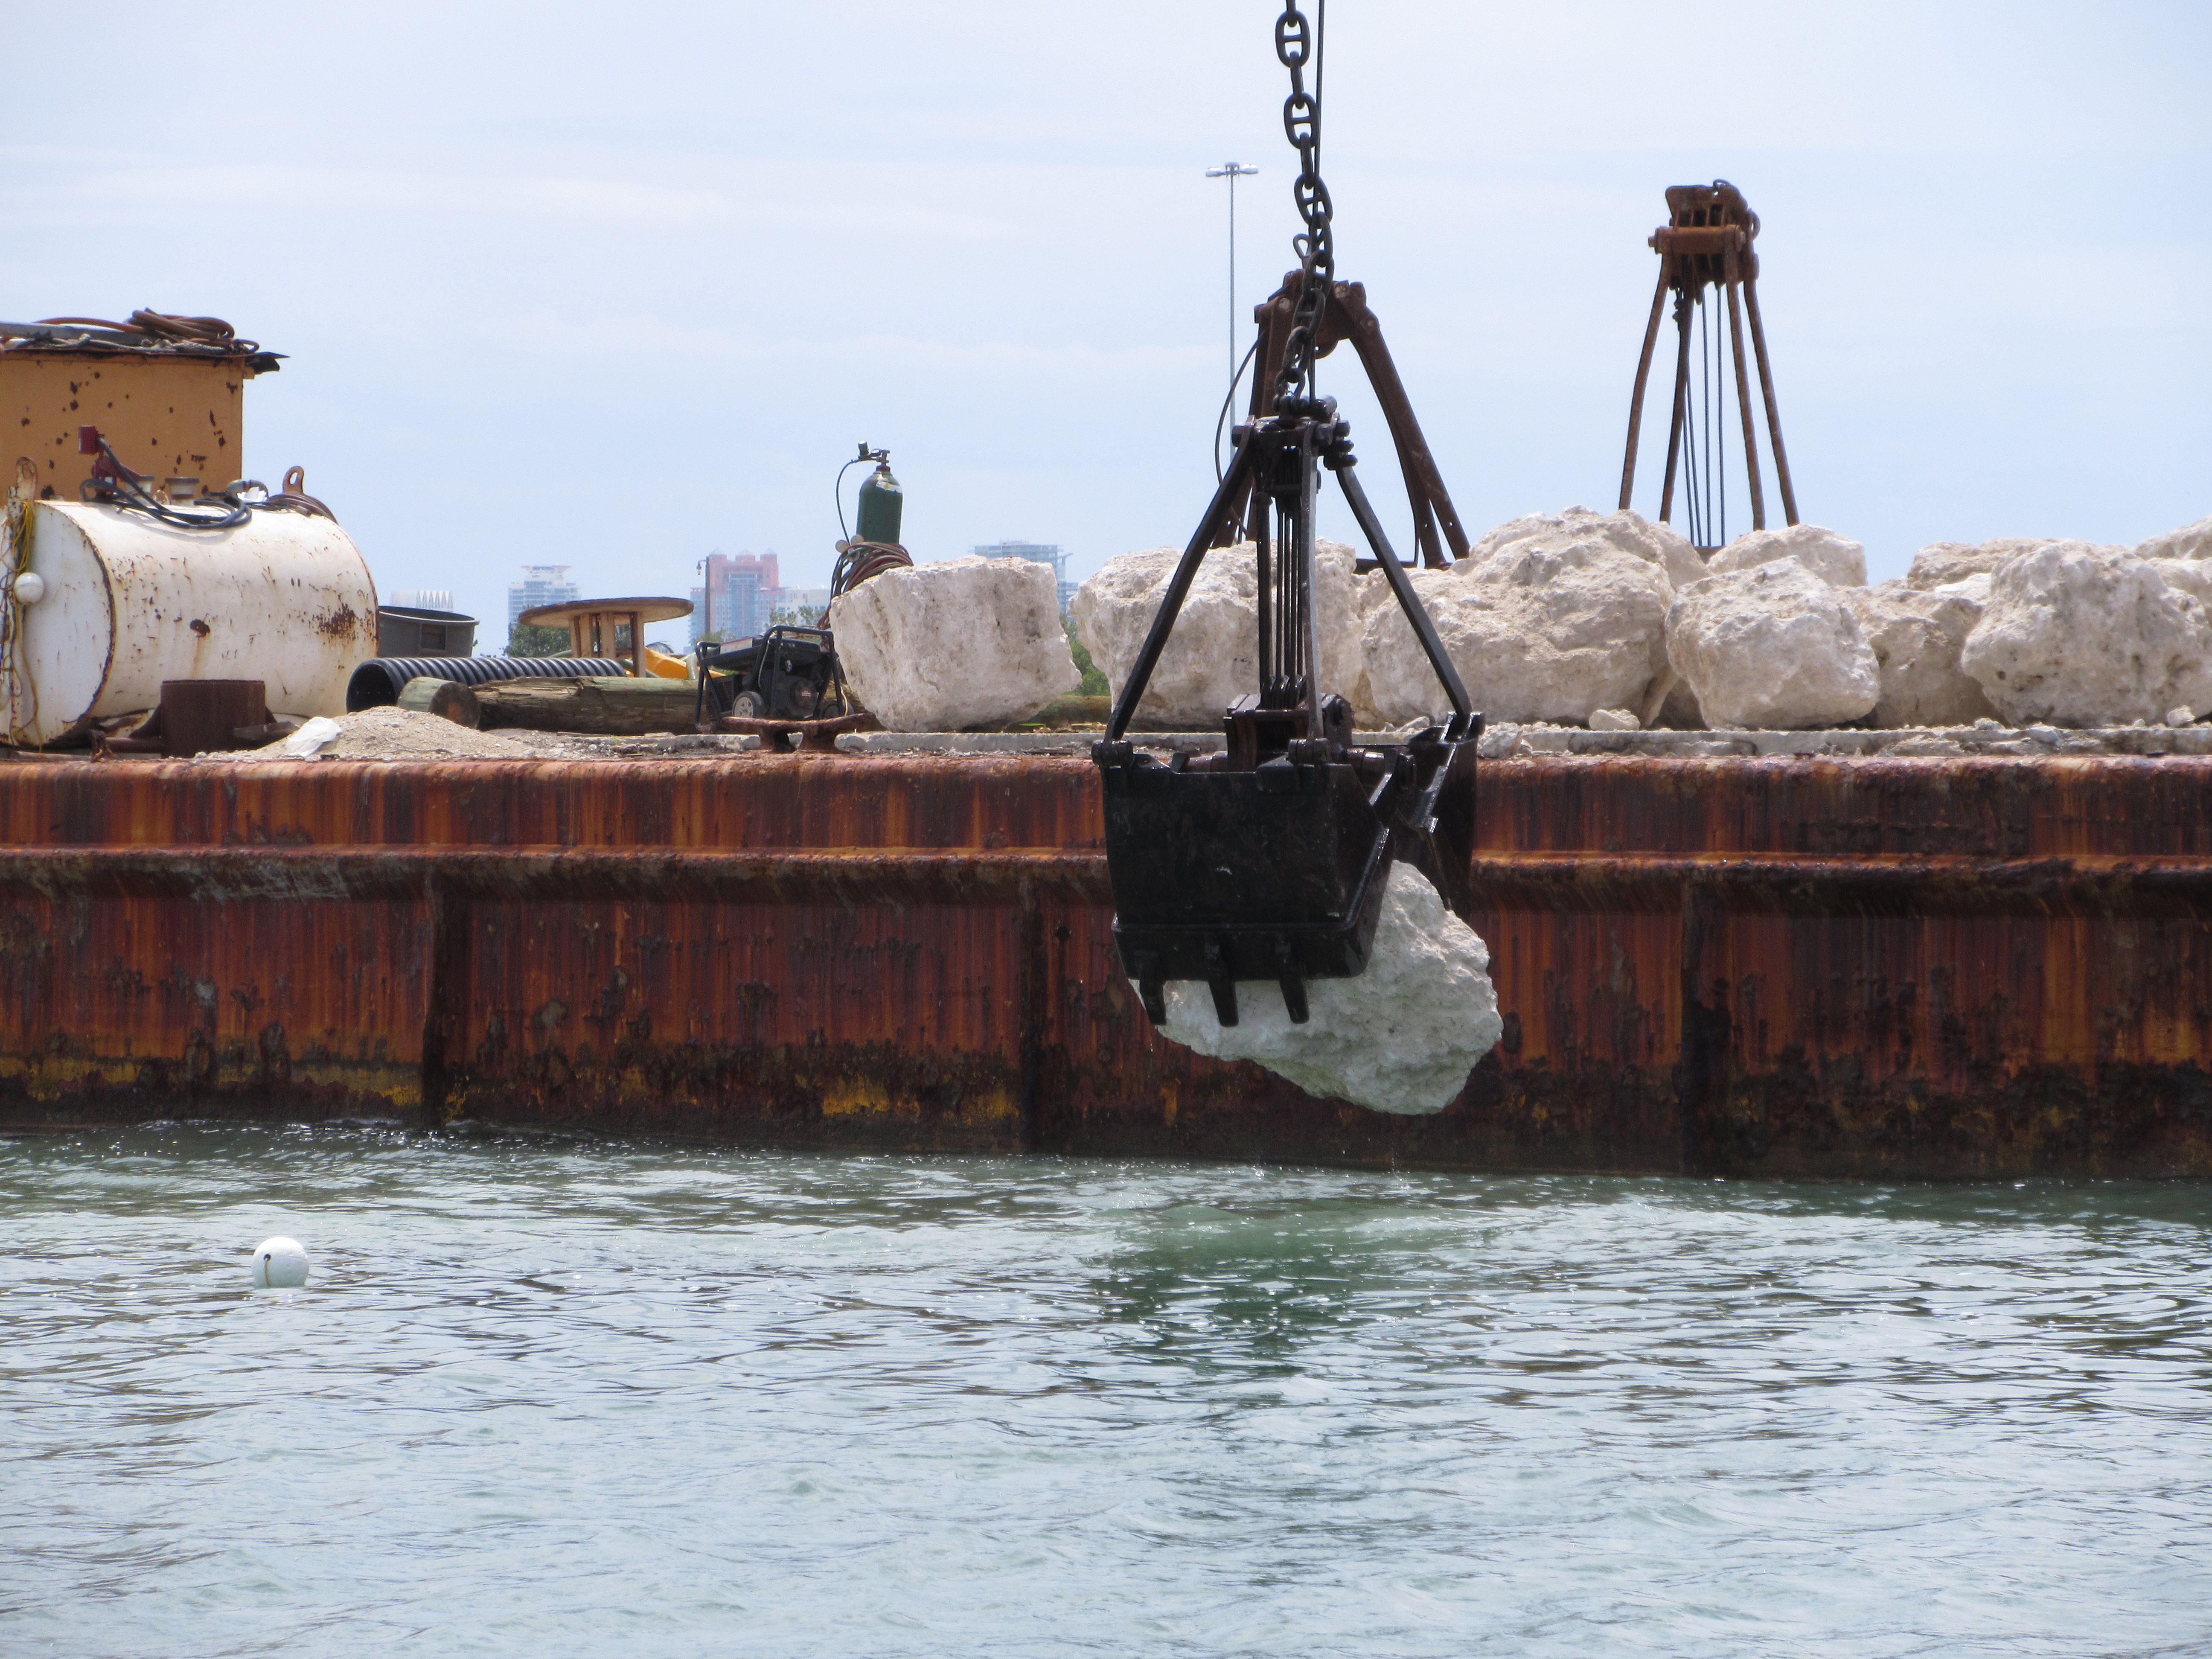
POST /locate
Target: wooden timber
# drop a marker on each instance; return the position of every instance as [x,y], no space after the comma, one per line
[606,706]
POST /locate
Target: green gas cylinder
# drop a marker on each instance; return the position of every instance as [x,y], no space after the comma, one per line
[882,502]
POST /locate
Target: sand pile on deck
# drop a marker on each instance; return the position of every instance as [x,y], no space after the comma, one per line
[1401,1038]
[394,733]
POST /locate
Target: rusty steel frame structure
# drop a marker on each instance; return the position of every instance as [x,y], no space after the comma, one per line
[1348,317]
[1890,968]
[1708,241]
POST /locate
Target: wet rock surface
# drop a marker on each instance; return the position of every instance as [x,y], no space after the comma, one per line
[969,642]
[1400,1038]
[1773,645]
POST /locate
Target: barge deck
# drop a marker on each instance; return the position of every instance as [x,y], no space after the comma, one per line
[1948,968]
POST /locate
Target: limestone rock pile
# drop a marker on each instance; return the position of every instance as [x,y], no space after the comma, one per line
[1836,560]
[1772,646]
[2191,541]
[2081,635]
[1916,638]
[2192,576]
[942,646]
[1941,563]
[1401,1038]
[1550,625]
[1212,656]
[1631,533]
[1563,617]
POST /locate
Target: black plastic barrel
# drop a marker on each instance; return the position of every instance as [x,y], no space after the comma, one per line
[407,630]
[378,682]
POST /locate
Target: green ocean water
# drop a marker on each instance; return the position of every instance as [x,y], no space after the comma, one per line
[549,1397]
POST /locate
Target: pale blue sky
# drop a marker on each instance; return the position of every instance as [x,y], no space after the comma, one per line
[614,287]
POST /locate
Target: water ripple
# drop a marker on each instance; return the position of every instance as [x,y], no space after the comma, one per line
[584,1398]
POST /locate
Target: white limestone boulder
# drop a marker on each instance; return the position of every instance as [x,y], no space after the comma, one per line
[2081,636]
[1940,563]
[2191,541]
[1400,1038]
[1916,638]
[1212,656]
[1836,560]
[2190,576]
[1553,627]
[965,642]
[1772,648]
[1631,533]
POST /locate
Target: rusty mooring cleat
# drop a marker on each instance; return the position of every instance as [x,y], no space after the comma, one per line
[789,737]
[1708,241]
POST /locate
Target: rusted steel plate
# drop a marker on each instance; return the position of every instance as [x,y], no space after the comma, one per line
[852,878]
[1923,968]
[122,1007]
[1912,968]
[1940,884]
[795,801]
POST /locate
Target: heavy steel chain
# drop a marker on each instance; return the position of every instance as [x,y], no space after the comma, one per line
[1297,45]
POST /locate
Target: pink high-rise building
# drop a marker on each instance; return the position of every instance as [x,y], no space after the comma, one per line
[743,591]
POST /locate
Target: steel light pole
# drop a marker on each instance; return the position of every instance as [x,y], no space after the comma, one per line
[1232,171]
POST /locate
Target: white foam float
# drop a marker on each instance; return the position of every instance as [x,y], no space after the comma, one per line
[279,1264]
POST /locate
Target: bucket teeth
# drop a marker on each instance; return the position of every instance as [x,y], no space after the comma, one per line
[1221,979]
[1292,981]
[1151,987]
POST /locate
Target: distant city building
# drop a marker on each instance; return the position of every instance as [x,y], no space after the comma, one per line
[1037,553]
[422,599]
[743,592]
[541,584]
[801,605]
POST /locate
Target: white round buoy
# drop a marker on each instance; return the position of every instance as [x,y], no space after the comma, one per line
[30,587]
[279,1264]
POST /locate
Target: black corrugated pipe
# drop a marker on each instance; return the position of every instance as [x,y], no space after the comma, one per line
[378,682]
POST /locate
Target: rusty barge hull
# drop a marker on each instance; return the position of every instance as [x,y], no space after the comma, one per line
[1896,969]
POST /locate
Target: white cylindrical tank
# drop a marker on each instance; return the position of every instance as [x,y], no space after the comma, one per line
[124,602]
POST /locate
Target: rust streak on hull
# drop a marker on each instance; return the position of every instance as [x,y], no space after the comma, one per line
[1925,969]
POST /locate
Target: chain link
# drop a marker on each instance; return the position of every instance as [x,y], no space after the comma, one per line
[1295,45]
